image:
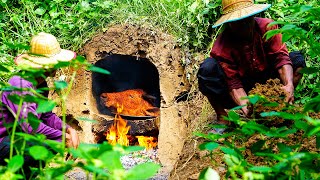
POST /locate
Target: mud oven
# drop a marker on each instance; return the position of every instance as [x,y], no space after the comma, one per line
[138,58]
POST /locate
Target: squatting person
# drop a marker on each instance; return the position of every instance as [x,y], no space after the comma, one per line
[241,56]
[44,52]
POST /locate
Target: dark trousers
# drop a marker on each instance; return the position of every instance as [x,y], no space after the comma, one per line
[212,84]
[28,160]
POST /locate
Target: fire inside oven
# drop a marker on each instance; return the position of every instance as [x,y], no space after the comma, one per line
[131,92]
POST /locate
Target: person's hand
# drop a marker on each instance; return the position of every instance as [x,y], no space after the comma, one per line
[245,111]
[289,89]
[68,140]
[72,138]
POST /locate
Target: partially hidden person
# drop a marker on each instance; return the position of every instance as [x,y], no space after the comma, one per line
[44,52]
[242,56]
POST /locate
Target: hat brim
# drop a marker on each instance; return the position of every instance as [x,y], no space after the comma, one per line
[241,14]
[33,61]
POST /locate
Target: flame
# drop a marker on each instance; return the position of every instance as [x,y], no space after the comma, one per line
[147,142]
[117,133]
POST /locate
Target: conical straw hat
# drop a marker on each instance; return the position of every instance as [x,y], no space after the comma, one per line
[234,10]
[44,52]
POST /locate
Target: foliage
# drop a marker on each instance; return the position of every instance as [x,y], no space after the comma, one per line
[72,22]
[300,27]
[277,159]
[102,160]
[190,21]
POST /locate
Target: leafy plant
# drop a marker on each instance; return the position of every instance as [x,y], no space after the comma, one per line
[102,160]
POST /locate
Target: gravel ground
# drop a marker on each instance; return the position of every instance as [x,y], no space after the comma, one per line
[128,161]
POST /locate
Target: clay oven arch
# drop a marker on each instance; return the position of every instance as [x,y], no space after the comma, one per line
[161,50]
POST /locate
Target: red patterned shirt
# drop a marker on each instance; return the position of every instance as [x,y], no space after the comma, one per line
[241,60]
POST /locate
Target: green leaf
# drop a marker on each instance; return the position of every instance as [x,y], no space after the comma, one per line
[86,119]
[309,70]
[4,69]
[284,148]
[40,11]
[15,99]
[233,116]
[15,163]
[254,99]
[271,104]
[45,106]
[314,131]
[209,174]
[60,85]
[56,172]
[305,8]
[271,33]
[208,146]
[229,151]
[133,148]
[271,113]
[256,147]
[33,121]
[97,170]
[143,171]
[111,160]
[80,59]
[98,69]
[39,152]
[286,37]
[318,141]
[262,169]
[300,124]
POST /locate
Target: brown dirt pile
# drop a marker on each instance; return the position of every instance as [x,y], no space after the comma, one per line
[271,92]
[272,98]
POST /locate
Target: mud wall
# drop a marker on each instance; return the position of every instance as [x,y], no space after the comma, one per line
[161,50]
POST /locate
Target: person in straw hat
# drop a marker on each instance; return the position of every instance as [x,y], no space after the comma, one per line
[44,53]
[241,57]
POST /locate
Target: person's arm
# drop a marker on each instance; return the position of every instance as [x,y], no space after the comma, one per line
[26,108]
[52,120]
[278,53]
[238,97]
[234,83]
[286,75]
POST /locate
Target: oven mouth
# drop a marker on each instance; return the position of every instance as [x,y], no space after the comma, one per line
[127,73]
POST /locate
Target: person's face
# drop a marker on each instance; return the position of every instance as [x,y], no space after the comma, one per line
[243,28]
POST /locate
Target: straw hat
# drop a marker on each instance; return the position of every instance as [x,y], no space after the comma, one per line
[44,52]
[234,10]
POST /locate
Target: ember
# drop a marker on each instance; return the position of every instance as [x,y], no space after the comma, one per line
[135,102]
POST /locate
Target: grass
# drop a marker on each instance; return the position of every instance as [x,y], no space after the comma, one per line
[74,22]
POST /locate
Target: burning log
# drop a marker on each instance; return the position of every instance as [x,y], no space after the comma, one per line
[135,102]
[118,133]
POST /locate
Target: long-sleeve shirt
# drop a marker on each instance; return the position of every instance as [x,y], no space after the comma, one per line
[249,60]
[50,125]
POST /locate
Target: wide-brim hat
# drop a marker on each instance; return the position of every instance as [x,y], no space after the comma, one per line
[44,52]
[234,10]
